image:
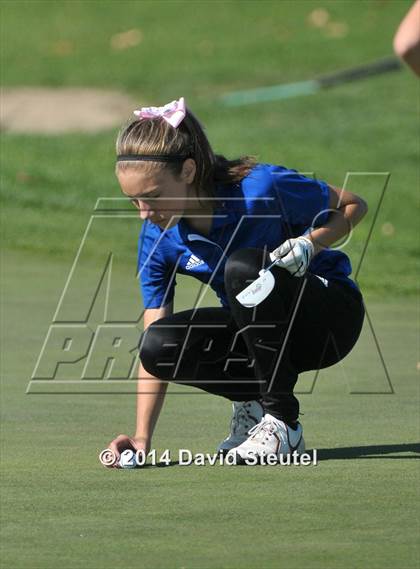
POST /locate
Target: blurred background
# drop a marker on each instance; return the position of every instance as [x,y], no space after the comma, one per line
[71,75]
[87,65]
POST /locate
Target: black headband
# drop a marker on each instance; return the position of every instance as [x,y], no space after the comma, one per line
[151,157]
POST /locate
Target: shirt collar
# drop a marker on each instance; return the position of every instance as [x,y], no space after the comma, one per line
[224,214]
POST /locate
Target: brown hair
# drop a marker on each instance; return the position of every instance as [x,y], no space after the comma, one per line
[156,136]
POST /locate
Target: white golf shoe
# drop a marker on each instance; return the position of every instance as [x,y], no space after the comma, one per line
[271,437]
[246,414]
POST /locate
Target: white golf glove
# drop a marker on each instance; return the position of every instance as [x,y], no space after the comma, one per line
[294,255]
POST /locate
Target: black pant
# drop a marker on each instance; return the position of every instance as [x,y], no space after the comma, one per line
[257,353]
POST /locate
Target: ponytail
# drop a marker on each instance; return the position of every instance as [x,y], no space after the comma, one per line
[156,137]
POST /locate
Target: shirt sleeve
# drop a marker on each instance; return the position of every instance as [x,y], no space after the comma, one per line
[157,285]
[304,202]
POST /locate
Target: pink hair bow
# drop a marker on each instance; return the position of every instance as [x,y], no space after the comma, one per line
[173,113]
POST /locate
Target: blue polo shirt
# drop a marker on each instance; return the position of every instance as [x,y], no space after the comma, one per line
[264,209]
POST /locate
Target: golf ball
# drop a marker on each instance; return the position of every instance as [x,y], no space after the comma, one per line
[127,459]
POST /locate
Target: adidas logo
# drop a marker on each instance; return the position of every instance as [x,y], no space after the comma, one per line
[193,262]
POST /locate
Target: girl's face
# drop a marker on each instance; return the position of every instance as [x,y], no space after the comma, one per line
[160,196]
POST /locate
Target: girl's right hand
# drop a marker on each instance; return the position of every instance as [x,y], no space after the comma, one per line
[124,442]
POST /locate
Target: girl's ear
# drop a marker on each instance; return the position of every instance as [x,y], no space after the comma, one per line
[189,169]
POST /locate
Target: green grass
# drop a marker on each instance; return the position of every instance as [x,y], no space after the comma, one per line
[51,183]
[213,45]
[357,508]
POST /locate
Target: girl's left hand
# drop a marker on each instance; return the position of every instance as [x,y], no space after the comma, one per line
[294,255]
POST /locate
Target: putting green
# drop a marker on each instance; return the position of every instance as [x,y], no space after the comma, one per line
[356,508]
[60,507]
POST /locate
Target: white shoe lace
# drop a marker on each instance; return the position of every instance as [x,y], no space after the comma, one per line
[241,420]
[263,431]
